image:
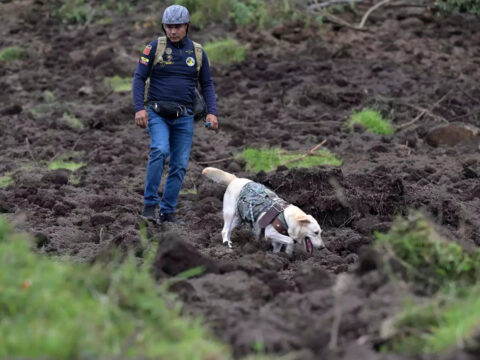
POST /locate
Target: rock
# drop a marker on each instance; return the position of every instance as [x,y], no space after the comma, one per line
[451,134]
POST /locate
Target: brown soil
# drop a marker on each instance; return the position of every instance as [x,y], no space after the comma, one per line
[296,88]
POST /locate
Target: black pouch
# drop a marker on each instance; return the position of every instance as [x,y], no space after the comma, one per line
[199,106]
[168,109]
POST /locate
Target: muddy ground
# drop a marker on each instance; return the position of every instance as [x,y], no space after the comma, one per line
[296,87]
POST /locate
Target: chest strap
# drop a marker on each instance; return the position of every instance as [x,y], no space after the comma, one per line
[272,217]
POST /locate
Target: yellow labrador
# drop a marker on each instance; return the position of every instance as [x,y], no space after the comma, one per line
[249,202]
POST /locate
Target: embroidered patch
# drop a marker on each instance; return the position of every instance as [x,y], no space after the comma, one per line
[144,60]
[189,51]
[190,61]
[147,49]
[169,58]
[168,51]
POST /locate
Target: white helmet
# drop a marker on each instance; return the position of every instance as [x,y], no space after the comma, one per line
[176,14]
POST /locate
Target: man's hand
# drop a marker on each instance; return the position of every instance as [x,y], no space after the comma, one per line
[212,119]
[141,118]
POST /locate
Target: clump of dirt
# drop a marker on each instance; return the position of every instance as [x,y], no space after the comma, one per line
[291,91]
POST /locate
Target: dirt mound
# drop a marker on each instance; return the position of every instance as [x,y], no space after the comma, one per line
[293,90]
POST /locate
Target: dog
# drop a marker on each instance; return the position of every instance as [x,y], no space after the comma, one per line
[249,202]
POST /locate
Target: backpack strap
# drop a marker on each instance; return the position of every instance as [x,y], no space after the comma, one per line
[161,45]
[198,56]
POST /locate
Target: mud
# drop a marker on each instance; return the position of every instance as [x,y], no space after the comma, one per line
[296,87]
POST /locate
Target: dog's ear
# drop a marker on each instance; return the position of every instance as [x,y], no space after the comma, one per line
[303,219]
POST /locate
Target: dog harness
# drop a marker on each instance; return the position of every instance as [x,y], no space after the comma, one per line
[255,199]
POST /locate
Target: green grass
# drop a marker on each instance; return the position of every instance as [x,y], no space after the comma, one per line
[372,121]
[5,181]
[425,257]
[54,309]
[118,84]
[62,164]
[438,326]
[72,121]
[269,159]
[12,53]
[227,51]
[414,252]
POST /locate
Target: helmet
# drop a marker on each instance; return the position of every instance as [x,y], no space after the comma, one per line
[176,14]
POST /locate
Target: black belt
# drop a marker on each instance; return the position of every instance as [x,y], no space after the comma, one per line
[168,109]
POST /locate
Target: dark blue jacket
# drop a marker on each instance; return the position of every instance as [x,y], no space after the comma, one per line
[174,80]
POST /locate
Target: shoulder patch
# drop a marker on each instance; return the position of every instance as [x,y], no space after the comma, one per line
[144,60]
[147,49]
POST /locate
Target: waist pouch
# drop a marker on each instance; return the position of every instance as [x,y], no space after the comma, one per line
[168,109]
[199,106]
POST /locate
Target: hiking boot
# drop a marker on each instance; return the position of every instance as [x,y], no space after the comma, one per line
[148,212]
[168,218]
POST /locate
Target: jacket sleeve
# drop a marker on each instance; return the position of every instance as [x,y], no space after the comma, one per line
[207,86]
[142,72]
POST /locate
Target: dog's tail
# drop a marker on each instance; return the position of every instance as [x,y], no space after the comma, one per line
[218,175]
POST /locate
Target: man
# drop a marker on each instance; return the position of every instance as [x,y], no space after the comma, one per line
[172,81]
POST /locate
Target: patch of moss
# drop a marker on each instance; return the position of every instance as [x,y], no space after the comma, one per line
[5,181]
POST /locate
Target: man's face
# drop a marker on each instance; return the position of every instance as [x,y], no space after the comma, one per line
[175,33]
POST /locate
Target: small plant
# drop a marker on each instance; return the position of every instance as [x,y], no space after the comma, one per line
[439,325]
[269,159]
[424,257]
[118,84]
[225,52]
[68,165]
[5,181]
[372,121]
[462,6]
[204,12]
[11,54]
[72,121]
[75,12]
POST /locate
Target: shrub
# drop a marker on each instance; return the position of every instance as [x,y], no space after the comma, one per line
[372,121]
[228,51]
[204,12]
[248,12]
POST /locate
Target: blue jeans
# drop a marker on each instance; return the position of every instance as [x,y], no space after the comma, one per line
[167,138]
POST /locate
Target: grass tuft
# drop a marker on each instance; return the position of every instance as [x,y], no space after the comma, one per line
[269,159]
[5,181]
[228,51]
[118,84]
[372,121]
[68,165]
[55,309]
[451,316]
[12,53]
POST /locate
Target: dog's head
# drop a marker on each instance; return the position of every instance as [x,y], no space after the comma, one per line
[304,229]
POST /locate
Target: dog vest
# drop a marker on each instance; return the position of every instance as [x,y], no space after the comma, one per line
[255,199]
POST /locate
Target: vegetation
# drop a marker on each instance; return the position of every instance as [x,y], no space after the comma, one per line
[59,310]
[72,121]
[414,250]
[11,54]
[468,6]
[226,51]
[5,181]
[62,164]
[118,84]
[269,159]
[371,120]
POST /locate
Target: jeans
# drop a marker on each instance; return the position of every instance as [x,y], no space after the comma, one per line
[167,138]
